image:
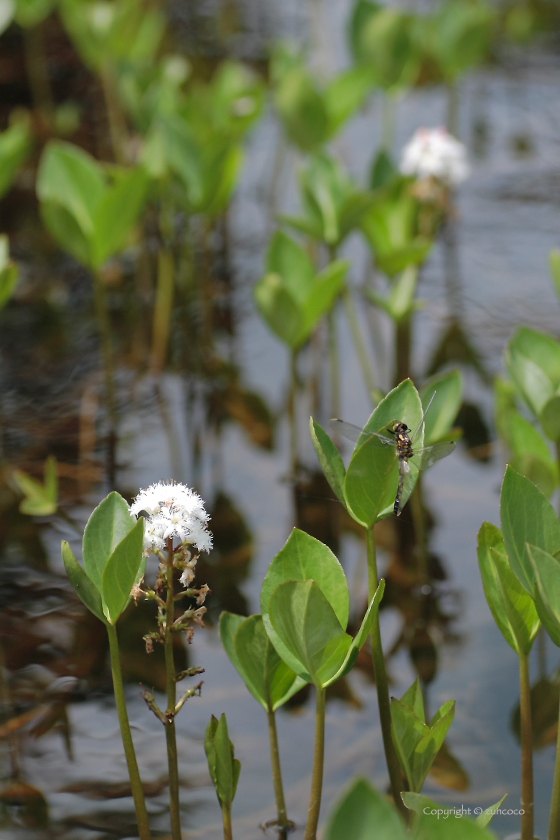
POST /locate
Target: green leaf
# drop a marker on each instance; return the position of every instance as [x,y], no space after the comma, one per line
[72,179]
[302,110]
[408,731]
[345,94]
[359,639]
[280,311]
[329,459]
[533,362]
[120,572]
[362,814]
[268,678]
[372,475]
[550,418]
[291,262]
[433,827]
[417,801]
[512,608]
[223,766]
[448,389]
[305,558]
[40,499]
[83,586]
[488,814]
[116,212]
[527,517]
[109,523]
[228,626]
[427,749]
[547,590]
[307,625]
[413,700]
[15,146]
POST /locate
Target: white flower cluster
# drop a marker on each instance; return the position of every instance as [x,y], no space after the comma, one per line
[432,152]
[173,510]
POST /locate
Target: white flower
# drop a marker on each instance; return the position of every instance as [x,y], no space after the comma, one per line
[432,152]
[173,510]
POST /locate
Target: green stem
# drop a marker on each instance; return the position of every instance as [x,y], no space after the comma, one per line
[170,735]
[104,323]
[333,363]
[388,123]
[318,761]
[292,415]
[283,821]
[359,345]
[131,763]
[162,311]
[393,765]
[526,749]
[118,129]
[452,118]
[402,350]
[37,69]
[226,818]
[554,824]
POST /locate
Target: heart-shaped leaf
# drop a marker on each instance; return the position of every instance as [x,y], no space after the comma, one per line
[120,572]
[84,588]
[329,459]
[512,607]
[547,590]
[527,517]
[304,558]
[363,813]
[109,523]
[307,625]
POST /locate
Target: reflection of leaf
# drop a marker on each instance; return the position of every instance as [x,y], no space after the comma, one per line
[454,348]
[545,695]
[447,770]
[253,415]
[32,807]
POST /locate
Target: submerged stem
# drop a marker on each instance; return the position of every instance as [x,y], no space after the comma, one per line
[318,761]
[526,749]
[131,763]
[283,821]
[554,824]
[170,736]
[393,765]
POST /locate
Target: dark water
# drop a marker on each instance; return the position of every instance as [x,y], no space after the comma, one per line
[62,767]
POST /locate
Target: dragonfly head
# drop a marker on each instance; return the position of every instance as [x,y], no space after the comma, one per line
[397,428]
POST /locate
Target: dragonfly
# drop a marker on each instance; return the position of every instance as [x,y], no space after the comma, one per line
[403,443]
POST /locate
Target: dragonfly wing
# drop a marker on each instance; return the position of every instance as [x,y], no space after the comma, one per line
[425,458]
[355,433]
[421,423]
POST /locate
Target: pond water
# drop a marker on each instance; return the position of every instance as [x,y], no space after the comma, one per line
[69,779]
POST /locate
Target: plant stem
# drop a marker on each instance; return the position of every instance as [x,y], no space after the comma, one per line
[131,763]
[526,749]
[393,765]
[388,123]
[226,818]
[162,311]
[357,338]
[118,129]
[554,824]
[317,776]
[333,363]
[292,414]
[283,821]
[402,350]
[104,323]
[170,736]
